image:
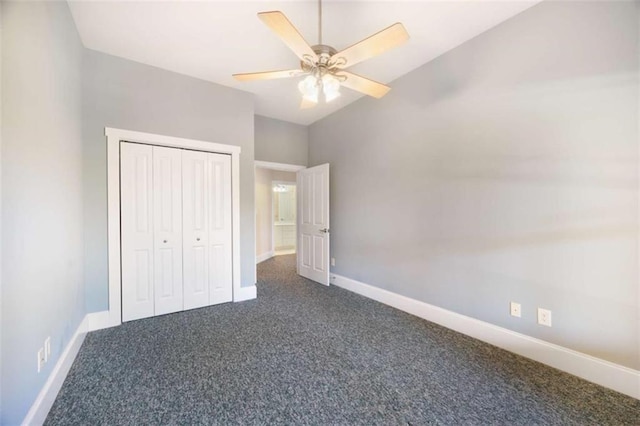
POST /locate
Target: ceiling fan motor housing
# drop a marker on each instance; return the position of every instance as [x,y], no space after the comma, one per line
[322,64]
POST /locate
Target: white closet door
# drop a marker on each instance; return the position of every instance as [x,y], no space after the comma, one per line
[195,226]
[219,184]
[167,214]
[136,192]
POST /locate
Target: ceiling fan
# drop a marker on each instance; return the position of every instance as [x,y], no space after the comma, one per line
[323,66]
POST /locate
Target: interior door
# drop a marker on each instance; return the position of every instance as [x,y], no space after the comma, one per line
[313,223]
[195,229]
[219,215]
[136,178]
[167,214]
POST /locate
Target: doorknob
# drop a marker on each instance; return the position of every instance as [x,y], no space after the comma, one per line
[165,241]
[325,230]
[198,239]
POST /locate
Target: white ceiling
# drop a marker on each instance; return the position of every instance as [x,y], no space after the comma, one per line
[211,40]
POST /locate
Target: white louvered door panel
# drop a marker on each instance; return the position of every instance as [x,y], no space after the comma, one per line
[167,209]
[219,190]
[136,180]
[195,229]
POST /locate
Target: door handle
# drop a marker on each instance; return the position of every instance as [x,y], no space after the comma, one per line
[325,230]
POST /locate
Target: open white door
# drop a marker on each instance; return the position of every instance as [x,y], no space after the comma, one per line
[313,223]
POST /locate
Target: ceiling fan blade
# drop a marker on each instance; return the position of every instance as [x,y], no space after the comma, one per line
[371,46]
[363,85]
[280,25]
[268,75]
[306,104]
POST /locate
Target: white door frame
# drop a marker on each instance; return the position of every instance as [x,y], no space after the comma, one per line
[113,316]
[279,166]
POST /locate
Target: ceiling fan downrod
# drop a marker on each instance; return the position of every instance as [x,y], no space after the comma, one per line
[325,62]
[319,22]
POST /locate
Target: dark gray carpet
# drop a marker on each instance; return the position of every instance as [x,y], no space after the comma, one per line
[307,354]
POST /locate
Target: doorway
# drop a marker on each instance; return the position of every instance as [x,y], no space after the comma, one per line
[276,209]
[284,230]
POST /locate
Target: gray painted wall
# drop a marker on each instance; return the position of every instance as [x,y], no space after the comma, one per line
[128,95]
[506,169]
[42,289]
[280,141]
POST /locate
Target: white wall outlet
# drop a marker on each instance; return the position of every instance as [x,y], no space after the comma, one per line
[40,359]
[333,261]
[516,310]
[47,349]
[544,317]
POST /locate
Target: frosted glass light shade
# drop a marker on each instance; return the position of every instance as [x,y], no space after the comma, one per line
[330,87]
[309,88]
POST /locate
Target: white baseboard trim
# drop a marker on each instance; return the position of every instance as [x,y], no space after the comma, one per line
[264,256]
[100,320]
[613,376]
[246,293]
[45,399]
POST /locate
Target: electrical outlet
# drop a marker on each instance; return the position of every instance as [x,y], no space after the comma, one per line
[41,360]
[544,317]
[47,349]
[333,261]
[516,310]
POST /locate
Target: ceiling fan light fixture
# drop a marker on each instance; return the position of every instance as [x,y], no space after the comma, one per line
[330,87]
[324,66]
[309,88]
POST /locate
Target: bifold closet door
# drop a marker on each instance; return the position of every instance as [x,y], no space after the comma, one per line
[151,226]
[206,195]
[136,198]
[167,215]
[175,229]
[195,235]
[220,250]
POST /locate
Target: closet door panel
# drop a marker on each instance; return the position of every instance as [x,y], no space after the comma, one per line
[195,235]
[167,209]
[137,228]
[220,250]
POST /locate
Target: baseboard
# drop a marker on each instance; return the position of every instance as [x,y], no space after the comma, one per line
[47,396]
[264,256]
[613,376]
[246,293]
[100,320]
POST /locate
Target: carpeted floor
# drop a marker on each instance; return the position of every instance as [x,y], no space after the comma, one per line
[307,354]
